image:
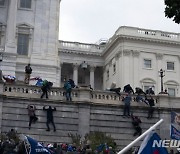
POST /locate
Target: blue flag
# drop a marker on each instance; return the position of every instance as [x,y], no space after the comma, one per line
[34,147]
[147,146]
[175,133]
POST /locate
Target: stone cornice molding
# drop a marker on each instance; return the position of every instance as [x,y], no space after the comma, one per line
[155,40]
[126,52]
[135,53]
[159,56]
[79,52]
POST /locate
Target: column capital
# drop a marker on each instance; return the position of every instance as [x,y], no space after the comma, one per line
[118,54]
[136,53]
[126,52]
[75,65]
[92,68]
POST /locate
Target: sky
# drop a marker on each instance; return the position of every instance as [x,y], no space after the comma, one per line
[88,21]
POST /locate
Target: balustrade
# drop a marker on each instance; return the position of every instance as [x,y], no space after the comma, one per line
[78,95]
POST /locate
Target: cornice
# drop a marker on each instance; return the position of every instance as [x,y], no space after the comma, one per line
[153,40]
[80,52]
[116,38]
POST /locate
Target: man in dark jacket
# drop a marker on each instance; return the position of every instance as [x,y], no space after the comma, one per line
[136,123]
[139,93]
[128,89]
[45,87]
[151,104]
[68,88]
[127,102]
[50,118]
[28,71]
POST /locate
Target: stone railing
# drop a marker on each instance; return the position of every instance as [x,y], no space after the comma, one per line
[83,94]
[134,31]
[85,47]
[58,94]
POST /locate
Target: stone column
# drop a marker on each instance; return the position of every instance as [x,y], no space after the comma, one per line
[92,68]
[127,71]
[75,73]
[11,27]
[135,66]
[60,68]
[10,54]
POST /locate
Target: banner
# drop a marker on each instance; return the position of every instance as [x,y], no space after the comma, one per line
[175,125]
[175,134]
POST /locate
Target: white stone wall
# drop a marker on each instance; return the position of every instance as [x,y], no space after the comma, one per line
[129,51]
[43,18]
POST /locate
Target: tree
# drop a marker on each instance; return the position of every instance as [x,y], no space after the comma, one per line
[172,10]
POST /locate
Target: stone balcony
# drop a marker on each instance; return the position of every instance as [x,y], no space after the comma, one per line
[89,111]
[141,32]
[82,94]
[81,47]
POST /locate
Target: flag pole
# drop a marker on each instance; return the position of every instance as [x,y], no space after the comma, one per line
[140,137]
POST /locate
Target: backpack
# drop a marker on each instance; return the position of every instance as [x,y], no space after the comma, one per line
[28,69]
[67,86]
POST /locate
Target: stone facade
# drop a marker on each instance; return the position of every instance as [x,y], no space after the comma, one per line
[40,23]
[89,111]
[132,55]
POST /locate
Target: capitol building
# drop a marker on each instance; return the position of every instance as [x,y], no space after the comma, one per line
[29,34]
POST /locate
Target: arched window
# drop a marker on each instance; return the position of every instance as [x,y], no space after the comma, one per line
[171,87]
[148,82]
[24,34]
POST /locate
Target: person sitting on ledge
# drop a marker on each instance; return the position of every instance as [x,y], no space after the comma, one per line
[139,93]
[128,89]
[150,91]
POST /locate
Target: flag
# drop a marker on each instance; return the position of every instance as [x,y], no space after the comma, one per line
[34,147]
[175,133]
[147,145]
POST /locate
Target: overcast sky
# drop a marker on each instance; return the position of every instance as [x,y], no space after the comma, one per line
[88,21]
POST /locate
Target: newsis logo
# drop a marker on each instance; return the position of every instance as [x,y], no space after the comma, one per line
[167,143]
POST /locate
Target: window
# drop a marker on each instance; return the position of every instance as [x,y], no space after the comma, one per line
[170,66]
[147,63]
[2,34]
[23,43]
[25,4]
[2,2]
[171,91]
[107,74]
[114,68]
[24,34]
[81,79]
